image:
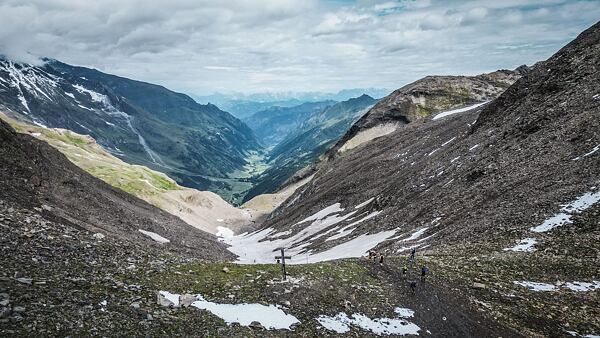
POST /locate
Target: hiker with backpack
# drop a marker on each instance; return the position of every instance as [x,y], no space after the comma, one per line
[424,271]
[413,286]
[413,252]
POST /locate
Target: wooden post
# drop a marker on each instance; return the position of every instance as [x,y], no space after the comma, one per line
[283,257]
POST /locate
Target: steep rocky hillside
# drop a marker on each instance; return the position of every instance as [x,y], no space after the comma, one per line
[423,98]
[308,142]
[141,123]
[488,176]
[36,177]
[272,125]
[202,209]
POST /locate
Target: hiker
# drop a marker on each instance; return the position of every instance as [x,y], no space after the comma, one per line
[404,271]
[381,260]
[424,271]
[413,252]
[413,286]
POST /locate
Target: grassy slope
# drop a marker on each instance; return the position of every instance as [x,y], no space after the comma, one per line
[198,208]
[88,155]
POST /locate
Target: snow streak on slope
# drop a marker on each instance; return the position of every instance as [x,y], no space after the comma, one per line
[261,246]
[459,110]
[578,205]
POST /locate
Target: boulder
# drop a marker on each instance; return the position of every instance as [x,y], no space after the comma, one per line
[478,286]
[187,300]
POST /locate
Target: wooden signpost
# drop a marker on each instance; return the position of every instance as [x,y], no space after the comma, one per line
[282,258]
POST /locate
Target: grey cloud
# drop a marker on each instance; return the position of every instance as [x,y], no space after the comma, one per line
[202,46]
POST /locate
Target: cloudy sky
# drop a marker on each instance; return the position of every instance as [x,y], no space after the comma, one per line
[202,46]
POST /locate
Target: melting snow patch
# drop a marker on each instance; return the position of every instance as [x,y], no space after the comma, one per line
[525,245]
[95,96]
[364,203]
[594,150]
[271,316]
[583,286]
[450,140]
[341,323]
[154,236]
[336,324]
[578,205]
[415,235]
[459,110]
[334,208]
[224,232]
[473,147]
[260,246]
[404,312]
[536,286]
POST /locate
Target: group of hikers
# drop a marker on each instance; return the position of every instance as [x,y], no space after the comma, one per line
[375,256]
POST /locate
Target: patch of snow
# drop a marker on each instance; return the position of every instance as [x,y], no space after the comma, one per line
[594,150]
[404,312]
[347,230]
[583,286]
[433,152]
[24,102]
[154,236]
[406,248]
[84,107]
[336,324]
[365,203]
[450,140]
[341,323]
[39,124]
[224,232]
[473,147]
[172,297]
[454,159]
[525,245]
[110,124]
[334,208]
[220,220]
[356,247]
[95,96]
[35,134]
[269,316]
[70,95]
[536,286]
[578,205]
[281,234]
[415,235]
[459,110]
[82,126]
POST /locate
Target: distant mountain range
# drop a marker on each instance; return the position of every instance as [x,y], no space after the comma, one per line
[244,105]
[198,145]
[274,124]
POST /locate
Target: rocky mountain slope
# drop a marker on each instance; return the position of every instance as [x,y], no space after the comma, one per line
[423,98]
[36,177]
[141,123]
[202,209]
[308,142]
